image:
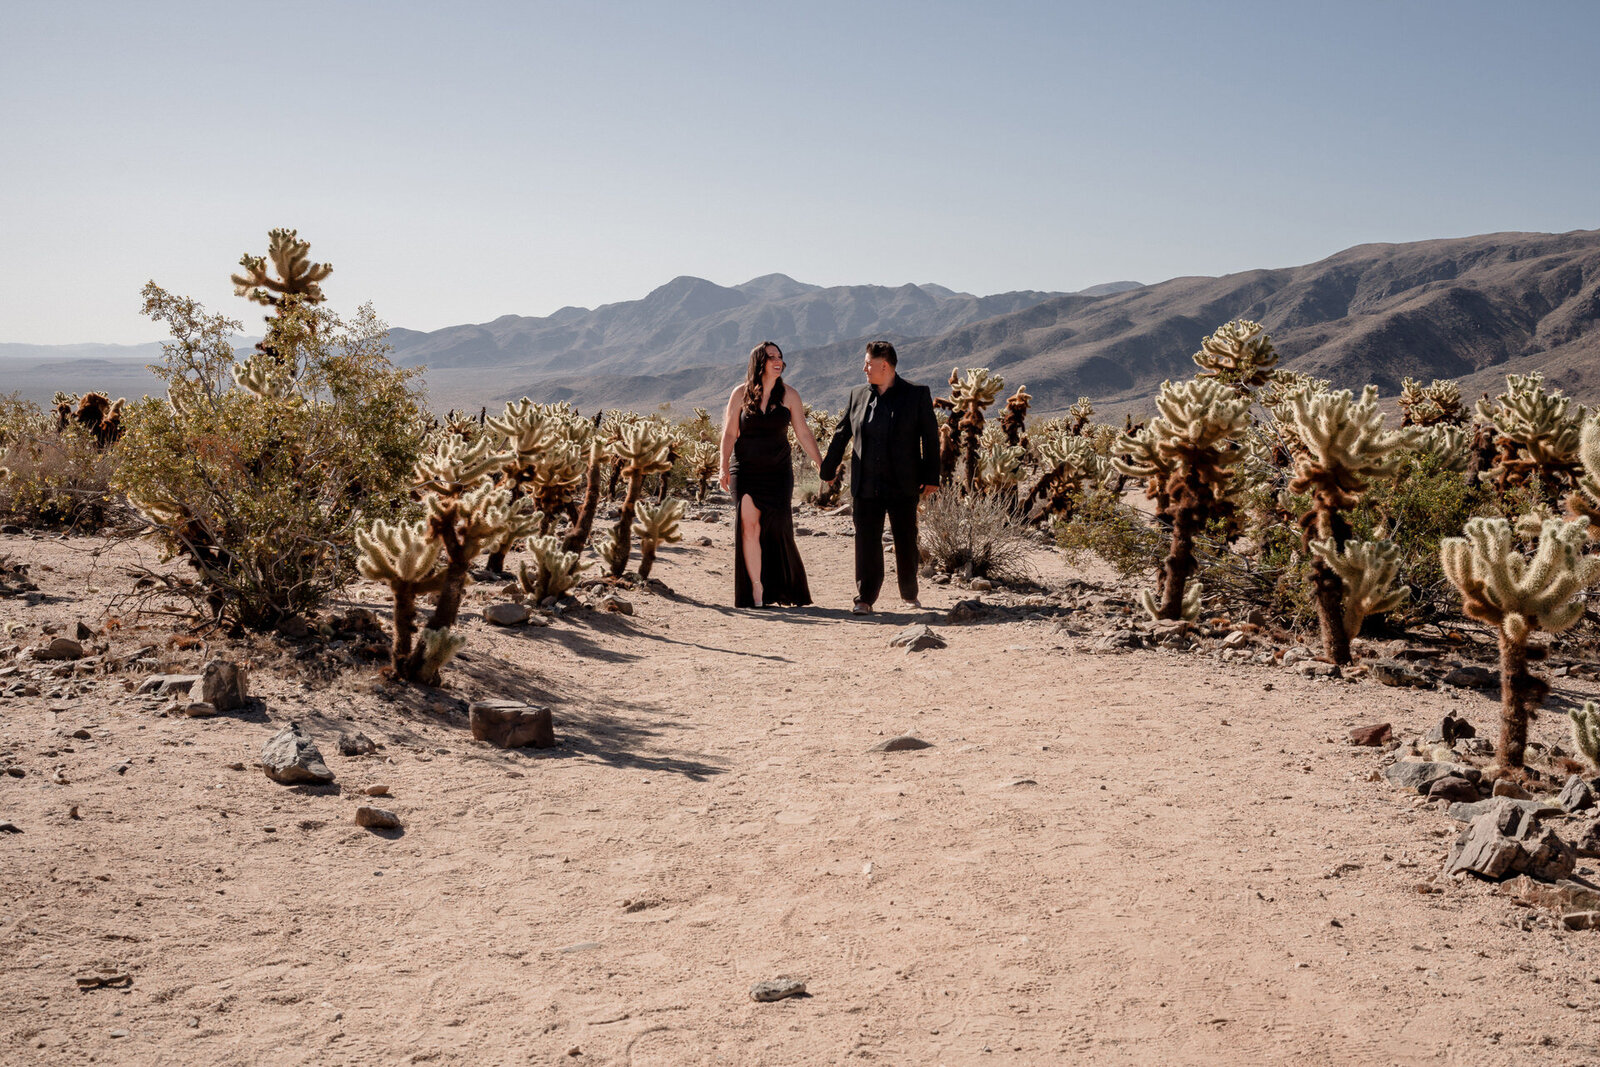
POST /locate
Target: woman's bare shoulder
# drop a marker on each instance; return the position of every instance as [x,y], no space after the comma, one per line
[737,394]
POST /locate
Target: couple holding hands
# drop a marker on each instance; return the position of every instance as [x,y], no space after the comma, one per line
[893,438]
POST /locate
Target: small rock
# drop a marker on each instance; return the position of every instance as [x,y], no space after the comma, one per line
[1466,812]
[777,989]
[1117,641]
[377,818]
[903,743]
[1507,839]
[511,724]
[356,744]
[967,611]
[703,542]
[1505,787]
[222,684]
[292,758]
[1453,787]
[1394,673]
[1471,677]
[82,735]
[1316,668]
[615,604]
[1372,736]
[1451,728]
[60,648]
[507,614]
[1576,795]
[10,828]
[165,685]
[197,709]
[915,638]
[1235,639]
[980,585]
[1296,654]
[82,631]
[376,790]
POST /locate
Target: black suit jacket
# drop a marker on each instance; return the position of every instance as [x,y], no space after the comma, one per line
[913,459]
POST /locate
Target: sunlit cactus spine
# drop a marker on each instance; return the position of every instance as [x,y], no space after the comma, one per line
[1537,433]
[1505,589]
[1369,572]
[1000,465]
[1080,413]
[1239,354]
[1195,441]
[1438,404]
[1450,445]
[554,569]
[1345,447]
[641,449]
[1585,723]
[656,525]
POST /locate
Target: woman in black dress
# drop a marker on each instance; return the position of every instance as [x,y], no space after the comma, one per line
[756,465]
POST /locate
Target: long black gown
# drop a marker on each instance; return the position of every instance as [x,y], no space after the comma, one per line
[763,470]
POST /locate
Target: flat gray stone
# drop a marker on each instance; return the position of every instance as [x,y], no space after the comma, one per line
[1577,795]
[292,758]
[60,648]
[1453,787]
[1472,678]
[507,614]
[1410,774]
[903,743]
[916,637]
[1536,808]
[1394,673]
[777,989]
[166,685]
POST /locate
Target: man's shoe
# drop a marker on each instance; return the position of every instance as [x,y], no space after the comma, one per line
[914,605]
[861,607]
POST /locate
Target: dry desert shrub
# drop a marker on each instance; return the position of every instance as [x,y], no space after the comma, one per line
[975,535]
[54,478]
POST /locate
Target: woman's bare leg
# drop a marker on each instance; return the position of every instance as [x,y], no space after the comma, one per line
[750,534]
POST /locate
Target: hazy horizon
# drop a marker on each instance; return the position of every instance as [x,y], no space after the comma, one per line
[497,158]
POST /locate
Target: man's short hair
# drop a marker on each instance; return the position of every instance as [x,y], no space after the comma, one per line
[882,350]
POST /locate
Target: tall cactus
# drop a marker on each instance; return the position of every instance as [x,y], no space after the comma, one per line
[527,432]
[1537,433]
[1502,587]
[1345,446]
[969,397]
[641,449]
[1014,423]
[1193,442]
[1367,572]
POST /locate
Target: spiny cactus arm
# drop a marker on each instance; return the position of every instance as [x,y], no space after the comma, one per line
[607,548]
[438,647]
[453,466]
[267,379]
[659,522]
[525,428]
[1196,415]
[1368,570]
[396,552]
[298,277]
[1586,731]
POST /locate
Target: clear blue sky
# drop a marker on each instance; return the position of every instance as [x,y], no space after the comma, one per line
[456,162]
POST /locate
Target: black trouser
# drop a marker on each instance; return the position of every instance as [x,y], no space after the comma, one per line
[869,513]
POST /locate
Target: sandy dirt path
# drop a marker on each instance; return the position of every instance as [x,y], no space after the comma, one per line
[1149,857]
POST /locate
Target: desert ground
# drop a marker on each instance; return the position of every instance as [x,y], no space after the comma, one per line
[1146,856]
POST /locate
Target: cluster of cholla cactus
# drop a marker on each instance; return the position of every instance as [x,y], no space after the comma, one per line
[95,412]
[554,570]
[433,556]
[548,452]
[1438,404]
[1345,446]
[1187,455]
[1502,587]
[1537,433]
[961,437]
[1067,461]
[1239,354]
[641,448]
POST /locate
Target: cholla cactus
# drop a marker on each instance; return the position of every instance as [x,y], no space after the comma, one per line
[656,525]
[266,379]
[1239,354]
[1188,608]
[1194,440]
[611,552]
[532,434]
[298,278]
[1586,731]
[1368,571]
[1438,404]
[1538,433]
[1080,413]
[1014,422]
[1584,501]
[1066,462]
[641,449]
[704,459]
[1451,445]
[554,570]
[999,465]
[969,397]
[1346,446]
[465,512]
[1502,587]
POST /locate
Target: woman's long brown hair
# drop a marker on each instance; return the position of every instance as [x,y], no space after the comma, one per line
[752,379]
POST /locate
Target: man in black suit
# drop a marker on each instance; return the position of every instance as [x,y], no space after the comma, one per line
[894,461]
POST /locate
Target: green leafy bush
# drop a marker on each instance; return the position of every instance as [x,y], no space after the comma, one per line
[259,472]
[1102,525]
